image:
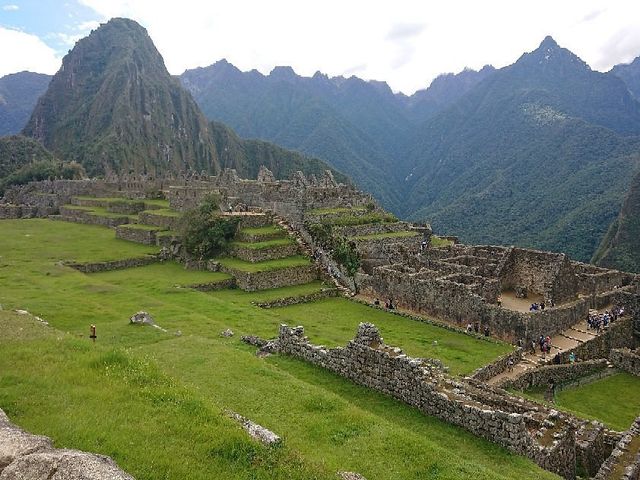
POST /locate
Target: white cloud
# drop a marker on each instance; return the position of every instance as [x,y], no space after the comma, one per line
[10,8]
[408,43]
[28,52]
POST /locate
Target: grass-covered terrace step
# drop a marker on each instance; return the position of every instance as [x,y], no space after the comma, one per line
[261,234]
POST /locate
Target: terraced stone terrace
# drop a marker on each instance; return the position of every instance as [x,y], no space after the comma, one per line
[173,386]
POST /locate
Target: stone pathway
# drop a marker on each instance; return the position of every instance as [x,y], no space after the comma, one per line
[564,341]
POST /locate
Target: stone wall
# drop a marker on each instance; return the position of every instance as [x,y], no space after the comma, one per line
[625,359]
[27,456]
[252,281]
[624,461]
[544,273]
[366,360]
[430,293]
[134,234]
[563,373]
[311,297]
[498,366]
[167,222]
[113,264]
[88,218]
[261,254]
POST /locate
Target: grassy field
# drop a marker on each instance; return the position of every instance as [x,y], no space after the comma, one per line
[154,400]
[266,244]
[266,230]
[592,401]
[293,261]
[375,236]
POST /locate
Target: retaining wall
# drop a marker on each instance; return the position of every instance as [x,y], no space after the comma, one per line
[626,359]
[252,281]
[95,267]
[367,361]
[138,235]
[624,461]
[543,375]
[261,254]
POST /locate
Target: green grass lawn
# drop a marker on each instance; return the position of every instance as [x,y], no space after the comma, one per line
[593,401]
[328,211]
[267,265]
[153,400]
[266,230]
[164,212]
[266,244]
[376,236]
[438,242]
[158,202]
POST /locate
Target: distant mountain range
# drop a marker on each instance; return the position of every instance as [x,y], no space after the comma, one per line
[19,93]
[541,153]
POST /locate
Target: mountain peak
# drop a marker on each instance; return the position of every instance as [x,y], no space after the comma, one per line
[548,43]
[283,73]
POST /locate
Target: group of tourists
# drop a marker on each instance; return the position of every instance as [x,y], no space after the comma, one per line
[475,328]
[543,343]
[536,307]
[388,304]
[600,321]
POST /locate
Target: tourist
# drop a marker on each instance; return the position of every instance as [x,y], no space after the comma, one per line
[533,347]
[469,327]
[476,327]
[572,358]
[486,331]
[556,359]
[510,365]
[376,302]
[391,307]
[542,306]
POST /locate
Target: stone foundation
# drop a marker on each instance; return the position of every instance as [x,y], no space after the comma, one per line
[624,461]
[626,359]
[165,222]
[283,277]
[113,264]
[261,254]
[311,297]
[138,235]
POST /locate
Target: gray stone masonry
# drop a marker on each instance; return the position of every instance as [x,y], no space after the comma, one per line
[559,374]
[626,359]
[137,235]
[114,264]
[24,456]
[252,281]
[624,461]
[546,437]
[261,254]
[166,222]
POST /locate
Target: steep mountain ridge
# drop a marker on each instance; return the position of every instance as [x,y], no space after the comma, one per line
[630,75]
[113,106]
[530,156]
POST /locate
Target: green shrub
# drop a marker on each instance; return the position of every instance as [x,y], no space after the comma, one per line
[204,232]
[42,170]
[346,254]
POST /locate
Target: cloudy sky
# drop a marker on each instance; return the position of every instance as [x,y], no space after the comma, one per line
[407,43]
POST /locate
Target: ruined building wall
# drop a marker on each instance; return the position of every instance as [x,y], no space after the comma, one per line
[367,361]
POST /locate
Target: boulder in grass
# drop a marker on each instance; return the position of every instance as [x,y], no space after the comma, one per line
[227,333]
[350,476]
[63,465]
[142,318]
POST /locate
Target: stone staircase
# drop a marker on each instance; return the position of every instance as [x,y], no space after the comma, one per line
[564,341]
[328,265]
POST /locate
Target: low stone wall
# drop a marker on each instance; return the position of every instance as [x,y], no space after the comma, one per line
[113,264]
[367,361]
[543,375]
[311,297]
[211,286]
[624,461]
[138,235]
[261,254]
[127,208]
[164,221]
[498,366]
[12,212]
[27,456]
[86,218]
[626,359]
[253,220]
[373,246]
[252,281]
